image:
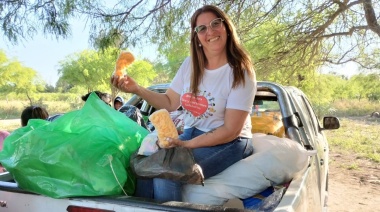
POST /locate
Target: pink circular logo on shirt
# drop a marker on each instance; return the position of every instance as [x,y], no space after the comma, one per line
[195,105]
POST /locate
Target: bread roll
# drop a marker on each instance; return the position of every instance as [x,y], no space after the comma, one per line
[123,61]
[164,126]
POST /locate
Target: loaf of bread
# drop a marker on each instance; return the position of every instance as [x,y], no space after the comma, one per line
[123,61]
[164,126]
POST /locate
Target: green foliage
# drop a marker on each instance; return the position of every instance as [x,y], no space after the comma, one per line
[88,69]
[288,42]
[142,71]
[349,97]
[21,20]
[366,86]
[173,54]
[14,77]
[91,70]
[162,74]
[315,32]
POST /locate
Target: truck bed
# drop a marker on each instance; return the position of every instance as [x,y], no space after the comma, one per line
[306,192]
[13,199]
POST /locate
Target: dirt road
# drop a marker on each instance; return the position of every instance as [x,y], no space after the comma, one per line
[353,189]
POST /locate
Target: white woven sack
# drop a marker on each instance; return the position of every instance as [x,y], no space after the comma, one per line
[275,161]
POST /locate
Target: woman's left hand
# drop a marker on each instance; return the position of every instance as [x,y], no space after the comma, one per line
[174,142]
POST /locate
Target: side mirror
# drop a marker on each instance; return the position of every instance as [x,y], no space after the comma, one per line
[330,123]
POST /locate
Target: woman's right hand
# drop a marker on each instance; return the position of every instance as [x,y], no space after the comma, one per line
[125,84]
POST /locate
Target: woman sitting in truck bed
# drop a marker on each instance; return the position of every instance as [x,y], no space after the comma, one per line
[215,86]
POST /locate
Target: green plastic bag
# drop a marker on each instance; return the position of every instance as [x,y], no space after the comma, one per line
[83,153]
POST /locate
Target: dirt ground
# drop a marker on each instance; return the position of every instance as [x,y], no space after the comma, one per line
[355,189]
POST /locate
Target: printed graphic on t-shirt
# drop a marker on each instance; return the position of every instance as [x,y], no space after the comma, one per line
[201,106]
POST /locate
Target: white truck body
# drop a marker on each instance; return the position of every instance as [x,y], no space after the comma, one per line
[307,192]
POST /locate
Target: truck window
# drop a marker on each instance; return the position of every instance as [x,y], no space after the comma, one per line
[266,118]
[307,117]
[313,116]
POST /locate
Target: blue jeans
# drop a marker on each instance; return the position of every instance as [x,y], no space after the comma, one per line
[213,160]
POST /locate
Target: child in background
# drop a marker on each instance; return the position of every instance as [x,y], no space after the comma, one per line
[106,97]
[33,112]
[118,102]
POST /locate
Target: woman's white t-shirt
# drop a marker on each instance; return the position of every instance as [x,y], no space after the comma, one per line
[206,111]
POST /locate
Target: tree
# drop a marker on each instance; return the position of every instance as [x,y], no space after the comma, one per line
[49,89]
[143,72]
[88,69]
[22,20]
[367,86]
[301,35]
[91,70]
[172,54]
[14,77]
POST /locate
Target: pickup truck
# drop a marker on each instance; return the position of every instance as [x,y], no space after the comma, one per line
[308,192]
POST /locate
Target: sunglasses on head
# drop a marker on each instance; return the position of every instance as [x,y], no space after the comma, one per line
[214,25]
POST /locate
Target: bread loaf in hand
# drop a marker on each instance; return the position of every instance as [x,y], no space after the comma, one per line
[164,126]
[123,61]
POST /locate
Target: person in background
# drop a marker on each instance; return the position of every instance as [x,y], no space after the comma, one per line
[118,102]
[215,86]
[3,135]
[54,117]
[33,112]
[103,96]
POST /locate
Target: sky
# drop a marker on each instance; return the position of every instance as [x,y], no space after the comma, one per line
[44,53]
[347,69]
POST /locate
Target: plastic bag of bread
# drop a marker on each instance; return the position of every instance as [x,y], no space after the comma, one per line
[175,163]
[164,126]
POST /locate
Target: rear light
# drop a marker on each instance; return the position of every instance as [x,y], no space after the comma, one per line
[72,208]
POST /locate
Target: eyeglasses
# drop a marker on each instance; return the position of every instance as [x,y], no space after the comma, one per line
[214,25]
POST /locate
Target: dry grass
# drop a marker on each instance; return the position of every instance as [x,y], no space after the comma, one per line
[12,109]
[357,135]
[354,107]
[10,124]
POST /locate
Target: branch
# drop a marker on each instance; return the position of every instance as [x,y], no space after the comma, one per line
[349,60]
[343,6]
[371,17]
[350,32]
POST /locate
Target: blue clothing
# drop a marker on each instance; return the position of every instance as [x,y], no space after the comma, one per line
[53,118]
[213,160]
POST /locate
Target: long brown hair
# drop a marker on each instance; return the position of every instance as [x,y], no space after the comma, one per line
[237,57]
